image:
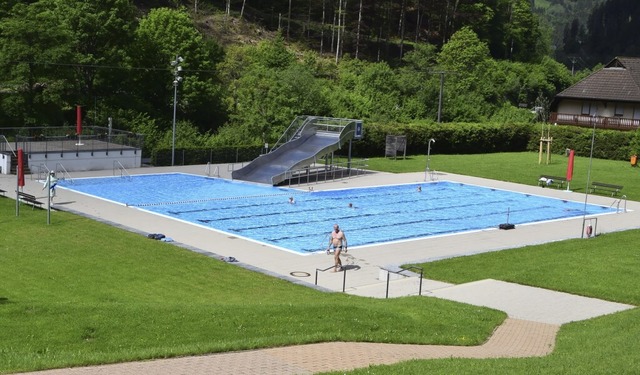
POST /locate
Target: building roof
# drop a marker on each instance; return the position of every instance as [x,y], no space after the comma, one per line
[619,80]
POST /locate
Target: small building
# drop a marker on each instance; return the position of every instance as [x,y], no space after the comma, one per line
[606,99]
[60,149]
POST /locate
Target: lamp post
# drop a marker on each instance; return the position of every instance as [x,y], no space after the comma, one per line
[428,158]
[177,68]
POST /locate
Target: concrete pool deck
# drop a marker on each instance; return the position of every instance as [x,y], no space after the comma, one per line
[536,309]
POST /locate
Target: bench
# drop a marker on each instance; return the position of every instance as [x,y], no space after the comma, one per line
[609,188]
[558,181]
[30,199]
[2,192]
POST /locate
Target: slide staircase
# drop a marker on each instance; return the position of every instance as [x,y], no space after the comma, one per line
[307,139]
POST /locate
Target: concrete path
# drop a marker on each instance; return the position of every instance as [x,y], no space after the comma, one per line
[535,314]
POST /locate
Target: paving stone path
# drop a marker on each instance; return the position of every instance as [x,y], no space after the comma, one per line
[514,338]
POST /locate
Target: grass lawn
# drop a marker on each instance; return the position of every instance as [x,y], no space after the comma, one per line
[79,292]
[607,267]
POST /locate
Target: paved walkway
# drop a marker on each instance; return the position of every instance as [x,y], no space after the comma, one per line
[515,338]
[535,314]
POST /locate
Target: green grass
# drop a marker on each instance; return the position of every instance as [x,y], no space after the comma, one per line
[521,167]
[607,266]
[79,292]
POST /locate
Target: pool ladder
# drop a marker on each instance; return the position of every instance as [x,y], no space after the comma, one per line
[617,203]
[118,167]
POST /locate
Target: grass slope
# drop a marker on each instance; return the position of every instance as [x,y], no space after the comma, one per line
[79,292]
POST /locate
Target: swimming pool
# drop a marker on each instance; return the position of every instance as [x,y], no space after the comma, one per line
[378,214]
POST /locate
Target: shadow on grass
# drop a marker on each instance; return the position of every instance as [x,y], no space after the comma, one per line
[4,300]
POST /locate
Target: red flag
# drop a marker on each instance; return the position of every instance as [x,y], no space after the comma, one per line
[570,165]
[78,120]
[20,168]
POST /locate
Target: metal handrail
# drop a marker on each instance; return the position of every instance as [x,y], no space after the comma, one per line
[8,144]
[344,276]
[59,166]
[400,273]
[325,170]
[618,201]
[294,128]
[123,171]
[216,170]
[40,167]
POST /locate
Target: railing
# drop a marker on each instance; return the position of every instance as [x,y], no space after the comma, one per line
[41,171]
[232,166]
[117,166]
[433,175]
[618,123]
[292,131]
[313,124]
[216,171]
[400,273]
[65,174]
[344,276]
[617,204]
[3,147]
[322,173]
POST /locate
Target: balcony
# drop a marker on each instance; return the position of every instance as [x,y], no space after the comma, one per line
[615,123]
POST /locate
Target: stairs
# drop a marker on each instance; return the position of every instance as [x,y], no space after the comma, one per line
[14,165]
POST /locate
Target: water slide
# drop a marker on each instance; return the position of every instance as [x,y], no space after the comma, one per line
[306,140]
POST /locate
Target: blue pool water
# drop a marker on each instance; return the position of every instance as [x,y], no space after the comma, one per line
[379,214]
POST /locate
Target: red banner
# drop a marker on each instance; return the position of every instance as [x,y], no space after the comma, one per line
[570,165]
[78,120]
[20,168]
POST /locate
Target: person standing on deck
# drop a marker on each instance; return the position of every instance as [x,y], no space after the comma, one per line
[338,241]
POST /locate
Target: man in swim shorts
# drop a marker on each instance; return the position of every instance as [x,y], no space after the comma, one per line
[339,242]
[51,182]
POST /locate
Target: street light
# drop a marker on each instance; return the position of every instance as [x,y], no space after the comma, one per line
[177,68]
[427,170]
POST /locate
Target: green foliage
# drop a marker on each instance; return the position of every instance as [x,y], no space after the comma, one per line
[607,144]
[32,36]
[162,36]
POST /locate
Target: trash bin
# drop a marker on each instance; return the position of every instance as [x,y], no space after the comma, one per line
[634,160]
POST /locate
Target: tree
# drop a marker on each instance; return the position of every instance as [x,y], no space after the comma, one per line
[465,59]
[35,50]
[102,32]
[267,88]
[161,36]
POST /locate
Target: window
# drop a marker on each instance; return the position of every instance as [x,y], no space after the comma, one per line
[619,110]
[590,109]
[636,113]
